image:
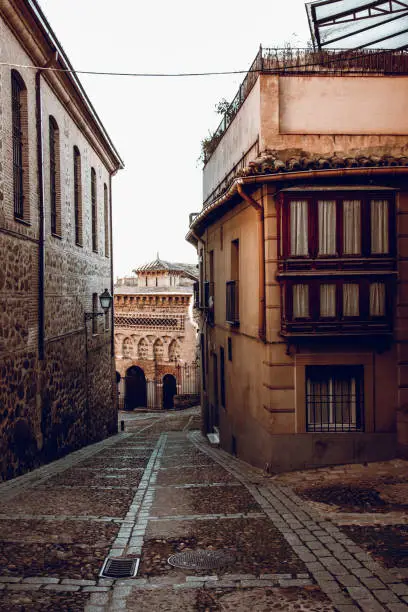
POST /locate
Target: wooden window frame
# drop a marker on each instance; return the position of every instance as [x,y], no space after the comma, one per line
[314,298]
[313,229]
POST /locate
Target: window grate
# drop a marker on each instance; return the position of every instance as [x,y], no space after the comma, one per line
[16,93]
[335,398]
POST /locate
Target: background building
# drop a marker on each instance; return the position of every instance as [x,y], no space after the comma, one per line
[57,370]
[156,334]
[302,241]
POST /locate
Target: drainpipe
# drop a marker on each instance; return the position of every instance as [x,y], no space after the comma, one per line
[41,228]
[111,270]
[261,259]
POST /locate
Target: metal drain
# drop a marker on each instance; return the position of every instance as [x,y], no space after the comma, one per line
[201,559]
[119,568]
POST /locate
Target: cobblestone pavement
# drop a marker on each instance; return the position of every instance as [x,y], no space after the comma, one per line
[158,489]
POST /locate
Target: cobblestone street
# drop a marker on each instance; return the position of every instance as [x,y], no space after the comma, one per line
[158,489]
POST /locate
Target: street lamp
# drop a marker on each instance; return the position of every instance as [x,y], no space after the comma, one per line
[105,300]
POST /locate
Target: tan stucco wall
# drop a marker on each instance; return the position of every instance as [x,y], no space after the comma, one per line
[343,105]
[237,140]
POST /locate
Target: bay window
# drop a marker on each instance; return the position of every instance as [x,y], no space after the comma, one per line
[351,298]
[300,301]
[327,300]
[377,300]
[342,225]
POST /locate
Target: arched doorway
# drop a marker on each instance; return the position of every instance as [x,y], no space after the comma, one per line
[169,391]
[135,388]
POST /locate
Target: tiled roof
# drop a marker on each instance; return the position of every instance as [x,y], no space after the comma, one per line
[271,162]
[160,266]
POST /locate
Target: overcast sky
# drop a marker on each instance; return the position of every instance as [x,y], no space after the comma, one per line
[157,124]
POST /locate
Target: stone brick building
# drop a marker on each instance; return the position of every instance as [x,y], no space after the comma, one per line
[56,163]
[155,333]
[302,241]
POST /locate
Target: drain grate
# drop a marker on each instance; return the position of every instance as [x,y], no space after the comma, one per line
[201,559]
[119,568]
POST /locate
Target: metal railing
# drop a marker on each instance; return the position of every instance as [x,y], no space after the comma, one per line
[308,61]
[232,302]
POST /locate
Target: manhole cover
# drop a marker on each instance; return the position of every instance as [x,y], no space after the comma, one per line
[201,559]
[119,568]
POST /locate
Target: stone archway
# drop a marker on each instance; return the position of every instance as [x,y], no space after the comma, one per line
[169,391]
[135,389]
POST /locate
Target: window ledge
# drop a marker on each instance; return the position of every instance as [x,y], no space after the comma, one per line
[54,235]
[22,221]
[78,244]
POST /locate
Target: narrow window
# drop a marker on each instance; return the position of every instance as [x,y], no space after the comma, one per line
[300,301]
[77,197]
[327,300]
[55,178]
[94,212]
[20,141]
[377,300]
[94,311]
[232,287]
[351,300]
[379,227]
[107,320]
[299,241]
[334,398]
[351,227]
[327,227]
[106,218]
[222,376]
[229,349]
[201,278]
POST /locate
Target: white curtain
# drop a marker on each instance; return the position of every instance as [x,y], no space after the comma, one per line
[327,227]
[351,227]
[327,300]
[379,226]
[351,300]
[298,228]
[300,301]
[332,403]
[377,300]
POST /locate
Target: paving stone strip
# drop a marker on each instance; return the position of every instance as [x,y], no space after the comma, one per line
[11,488]
[343,570]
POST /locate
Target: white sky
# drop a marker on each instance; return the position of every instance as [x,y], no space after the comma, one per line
[157,124]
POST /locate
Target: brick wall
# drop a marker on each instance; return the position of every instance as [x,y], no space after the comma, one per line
[50,407]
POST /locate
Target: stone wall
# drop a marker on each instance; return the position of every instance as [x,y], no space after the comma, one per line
[52,406]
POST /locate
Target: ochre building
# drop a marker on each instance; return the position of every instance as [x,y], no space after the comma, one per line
[156,334]
[57,388]
[303,250]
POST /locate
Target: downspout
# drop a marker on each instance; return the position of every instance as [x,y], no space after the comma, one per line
[41,229]
[261,259]
[111,262]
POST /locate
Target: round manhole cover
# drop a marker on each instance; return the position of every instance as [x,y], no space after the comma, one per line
[201,559]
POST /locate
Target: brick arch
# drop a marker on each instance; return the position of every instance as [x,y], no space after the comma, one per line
[142,348]
[158,349]
[127,348]
[174,350]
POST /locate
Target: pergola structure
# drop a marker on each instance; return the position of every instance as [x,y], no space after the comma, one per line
[358,24]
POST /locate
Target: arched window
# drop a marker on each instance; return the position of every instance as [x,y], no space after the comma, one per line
[94,211]
[158,349]
[127,348]
[20,146]
[142,349]
[55,178]
[106,218]
[174,350]
[77,196]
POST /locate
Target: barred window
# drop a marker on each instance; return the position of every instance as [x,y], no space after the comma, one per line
[19,130]
[77,196]
[334,398]
[55,187]
[106,218]
[94,211]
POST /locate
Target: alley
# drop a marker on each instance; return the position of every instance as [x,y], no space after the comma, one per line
[156,490]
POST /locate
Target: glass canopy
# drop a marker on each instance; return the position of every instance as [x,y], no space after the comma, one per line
[357,24]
